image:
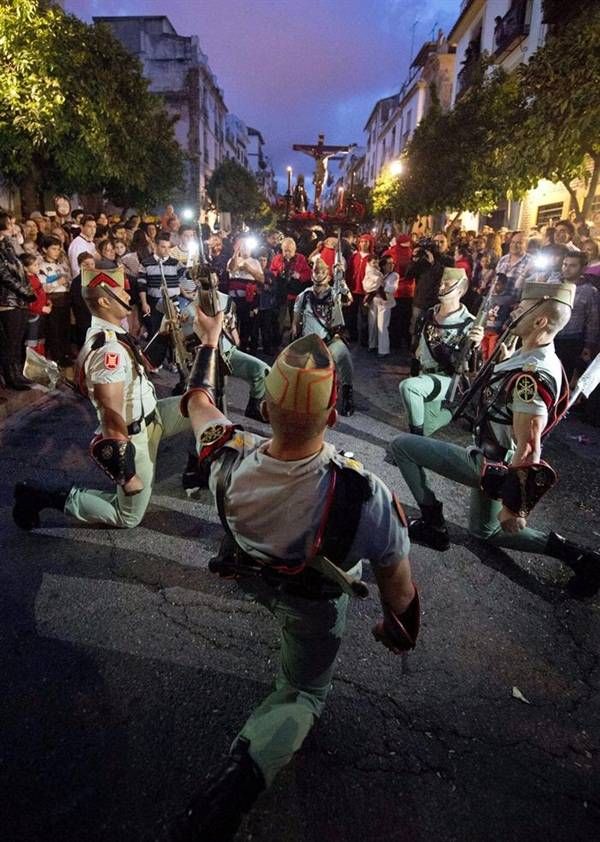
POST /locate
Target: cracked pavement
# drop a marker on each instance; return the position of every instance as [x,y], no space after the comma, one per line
[128,668]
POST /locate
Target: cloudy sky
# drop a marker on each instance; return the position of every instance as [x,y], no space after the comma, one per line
[293,68]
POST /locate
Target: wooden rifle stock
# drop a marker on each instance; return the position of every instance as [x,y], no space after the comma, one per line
[467,346]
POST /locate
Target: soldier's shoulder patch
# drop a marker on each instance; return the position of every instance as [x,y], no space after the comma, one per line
[348,460]
[526,388]
[242,440]
[112,360]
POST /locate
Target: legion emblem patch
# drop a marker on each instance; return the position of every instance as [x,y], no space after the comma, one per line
[111,360]
[526,388]
[212,434]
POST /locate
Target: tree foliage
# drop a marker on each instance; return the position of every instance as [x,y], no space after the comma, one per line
[75,110]
[456,159]
[232,188]
[557,136]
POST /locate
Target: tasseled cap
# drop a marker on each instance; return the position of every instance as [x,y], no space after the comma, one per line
[302,379]
[563,292]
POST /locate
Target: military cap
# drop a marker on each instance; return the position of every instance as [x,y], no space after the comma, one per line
[562,292]
[320,270]
[452,274]
[92,278]
[302,378]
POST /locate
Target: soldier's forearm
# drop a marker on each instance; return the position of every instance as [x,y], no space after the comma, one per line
[395,585]
[201,411]
[528,430]
[113,424]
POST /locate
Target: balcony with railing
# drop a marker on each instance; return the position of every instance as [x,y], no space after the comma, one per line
[511,29]
[469,72]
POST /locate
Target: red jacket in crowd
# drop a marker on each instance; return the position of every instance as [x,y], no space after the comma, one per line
[401,253]
[359,267]
[297,265]
[41,299]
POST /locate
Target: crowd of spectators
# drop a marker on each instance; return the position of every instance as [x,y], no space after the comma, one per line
[393,279]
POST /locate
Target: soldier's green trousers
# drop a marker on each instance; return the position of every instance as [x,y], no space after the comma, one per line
[311,633]
[343,360]
[422,397]
[414,454]
[115,508]
[250,369]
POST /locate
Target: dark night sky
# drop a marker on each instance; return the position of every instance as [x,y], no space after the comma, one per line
[292,68]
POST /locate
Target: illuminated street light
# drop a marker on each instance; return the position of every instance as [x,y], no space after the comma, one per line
[187,213]
[396,167]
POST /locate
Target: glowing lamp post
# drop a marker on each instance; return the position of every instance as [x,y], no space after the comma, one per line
[288,195]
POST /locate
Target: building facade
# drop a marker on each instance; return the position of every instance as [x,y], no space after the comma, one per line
[394,119]
[510,31]
[179,72]
[260,165]
[236,140]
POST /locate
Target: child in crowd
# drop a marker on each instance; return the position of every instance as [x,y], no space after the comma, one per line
[500,307]
[38,309]
[380,284]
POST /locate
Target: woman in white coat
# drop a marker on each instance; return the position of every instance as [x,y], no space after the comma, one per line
[380,284]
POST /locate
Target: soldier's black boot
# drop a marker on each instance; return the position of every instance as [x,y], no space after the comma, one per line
[416,430]
[14,379]
[215,813]
[253,410]
[347,407]
[430,529]
[31,499]
[584,562]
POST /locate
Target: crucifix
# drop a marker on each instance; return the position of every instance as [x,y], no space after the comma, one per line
[321,153]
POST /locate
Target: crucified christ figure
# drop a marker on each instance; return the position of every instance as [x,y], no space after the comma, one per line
[321,153]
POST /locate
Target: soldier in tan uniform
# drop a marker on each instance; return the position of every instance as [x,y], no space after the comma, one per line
[298,519]
[131,421]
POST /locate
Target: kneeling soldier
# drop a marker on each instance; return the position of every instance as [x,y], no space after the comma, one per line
[112,371]
[298,519]
[441,332]
[521,400]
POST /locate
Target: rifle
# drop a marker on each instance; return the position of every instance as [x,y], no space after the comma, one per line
[464,352]
[208,301]
[481,377]
[339,286]
[175,336]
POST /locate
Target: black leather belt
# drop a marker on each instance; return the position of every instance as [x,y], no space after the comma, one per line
[136,426]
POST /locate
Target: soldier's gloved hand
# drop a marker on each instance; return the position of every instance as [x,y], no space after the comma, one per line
[399,633]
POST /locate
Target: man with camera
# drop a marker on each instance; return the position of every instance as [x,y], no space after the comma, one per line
[426,267]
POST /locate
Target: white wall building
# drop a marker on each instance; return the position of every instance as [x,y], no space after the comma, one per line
[510,31]
[394,119]
[178,70]
[236,140]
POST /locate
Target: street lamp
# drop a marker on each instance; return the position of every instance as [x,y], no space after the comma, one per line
[396,167]
[288,195]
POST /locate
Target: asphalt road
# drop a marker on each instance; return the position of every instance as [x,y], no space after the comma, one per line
[127,668]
